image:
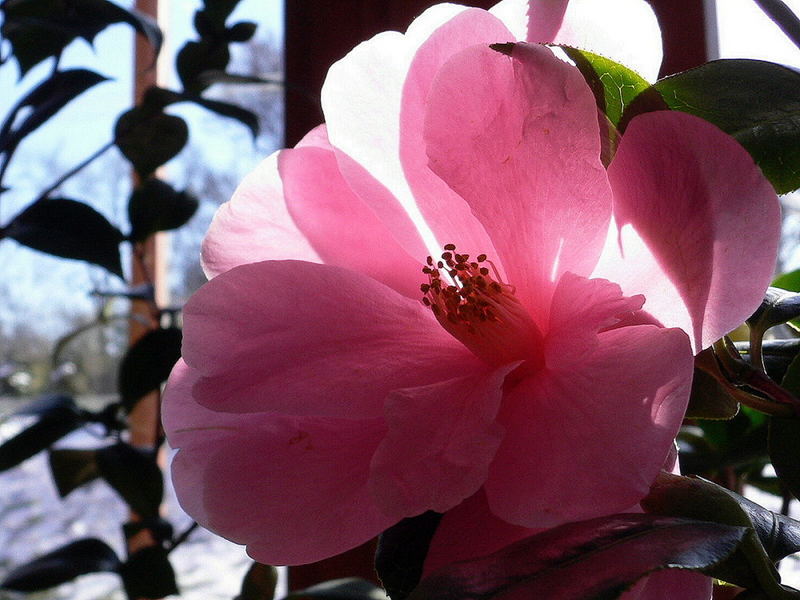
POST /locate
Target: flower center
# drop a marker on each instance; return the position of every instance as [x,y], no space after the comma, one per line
[478,308]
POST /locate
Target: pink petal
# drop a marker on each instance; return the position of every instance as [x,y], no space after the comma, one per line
[338,225]
[470,530]
[441,440]
[448,216]
[523,150]
[293,489]
[671,584]
[693,214]
[254,225]
[309,339]
[602,431]
[361,100]
[581,307]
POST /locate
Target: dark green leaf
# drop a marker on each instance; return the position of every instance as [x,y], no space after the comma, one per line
[72,468]
[350,588]
[784,451]
[712,397]
[241,32]
[64,564]
[69,229]
[770,537]
[198,57]
[784,17]
[149,138]
[148,364]
[148,574]
[134,474]
[157,206]
[45,100]
[614,86]
[401,553]
[259,583]
[583,561]
[39,29]
[778,306]
[57,417]
[756,102]
[788,281]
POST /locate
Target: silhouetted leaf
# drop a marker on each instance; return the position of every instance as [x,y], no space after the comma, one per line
[39,29]
[72,468]
[712,397]
[784,451]
[148,363]
[401,553]
[259,583]
[134,474]
[241,32]
[199,56]
[756,102]
[149,138]
[56,417]
[225,109]
[69,229]
[156,206]
[349,588]
[770,536]
[64,564]
[44,101]
[590,560]
[148,574]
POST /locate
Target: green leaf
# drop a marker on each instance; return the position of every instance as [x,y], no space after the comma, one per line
[148,574]
[149,138]
[712,397]
[788,281]
[259,583]
[69,229]
[147,364]
[156,206]
[584,560]
[44,101]
[614,86]
[784,451]
[134,474]
[349,588]
[756,102]
[401,553]
[72,468]
[56,417]
[770,536]
[778,307]
[39,29]
[64,564]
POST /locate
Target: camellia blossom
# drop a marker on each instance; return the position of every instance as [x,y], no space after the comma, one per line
[338,375]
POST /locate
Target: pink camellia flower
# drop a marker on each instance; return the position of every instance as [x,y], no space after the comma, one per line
[338,376]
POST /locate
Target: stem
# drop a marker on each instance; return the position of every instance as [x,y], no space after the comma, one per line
[756,355]
[183,536]
[77,168]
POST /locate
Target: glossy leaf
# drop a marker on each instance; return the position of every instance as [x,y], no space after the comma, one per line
[64,564]
[712,396]
[784,451]
[614,86]
[350,588]
[156,206]
[584,560]
[147,364]
[39,29]
[783,17]
[770,537]
[149,138]
[56,417]
[72,468]
[401,553]
[788,281]
[756,102]
[259,583]
[134,474]
[779,306]
[148,574]
[44,101]
[69,229]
